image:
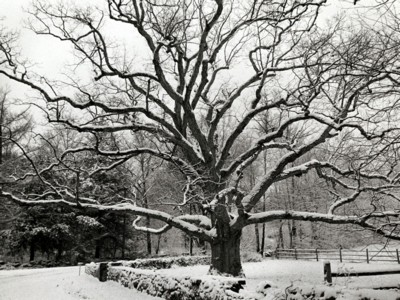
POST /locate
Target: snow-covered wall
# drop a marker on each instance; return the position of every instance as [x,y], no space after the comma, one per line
[91,269]
[267,291]
[186,287]
[174,288]
[165,263]
[152,264]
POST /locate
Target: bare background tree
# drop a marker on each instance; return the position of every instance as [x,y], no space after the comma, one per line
[15,124]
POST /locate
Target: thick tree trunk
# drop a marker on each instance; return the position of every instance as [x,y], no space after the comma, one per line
[225,255]
[225,246]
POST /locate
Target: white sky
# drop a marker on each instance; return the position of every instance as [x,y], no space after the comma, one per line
[47,56]
[50,56]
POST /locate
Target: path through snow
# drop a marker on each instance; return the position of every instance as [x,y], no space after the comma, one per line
[61,284]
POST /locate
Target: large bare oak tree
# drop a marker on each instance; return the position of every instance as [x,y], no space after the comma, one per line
[195,66]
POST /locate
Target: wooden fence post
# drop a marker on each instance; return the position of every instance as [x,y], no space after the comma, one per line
[295,253]
[366,252]
[327,273]
[277,253]
[398,258]
[340,254]
[316,253]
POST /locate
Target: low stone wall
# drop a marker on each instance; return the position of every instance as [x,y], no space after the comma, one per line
[91,269]
[268,291]
[165,263]
[177,288]
[98,270]
[224,288]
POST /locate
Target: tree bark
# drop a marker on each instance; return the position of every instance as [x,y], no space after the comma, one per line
[225,247]
[225,255]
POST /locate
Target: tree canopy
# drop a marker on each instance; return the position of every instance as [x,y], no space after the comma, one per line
[194,79]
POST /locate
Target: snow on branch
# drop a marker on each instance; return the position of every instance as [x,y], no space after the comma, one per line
[332,219]
[186,169]
[198,220]
[315,164]
[188,227]
[301,216]
[150,230]
[263,143]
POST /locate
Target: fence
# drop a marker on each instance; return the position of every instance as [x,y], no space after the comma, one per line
[328,274]
[339,254]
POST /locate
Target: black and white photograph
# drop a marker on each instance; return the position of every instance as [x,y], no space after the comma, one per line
[199,149]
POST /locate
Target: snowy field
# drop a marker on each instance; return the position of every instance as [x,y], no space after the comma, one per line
[287,272]
[66,284]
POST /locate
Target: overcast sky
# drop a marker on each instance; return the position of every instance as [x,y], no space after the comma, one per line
[49,55]
[39,49]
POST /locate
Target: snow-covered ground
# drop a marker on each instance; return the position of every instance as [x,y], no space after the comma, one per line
[66,284]
[61,284]
[286,272]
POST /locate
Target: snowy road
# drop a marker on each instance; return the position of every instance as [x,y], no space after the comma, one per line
[61,284]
